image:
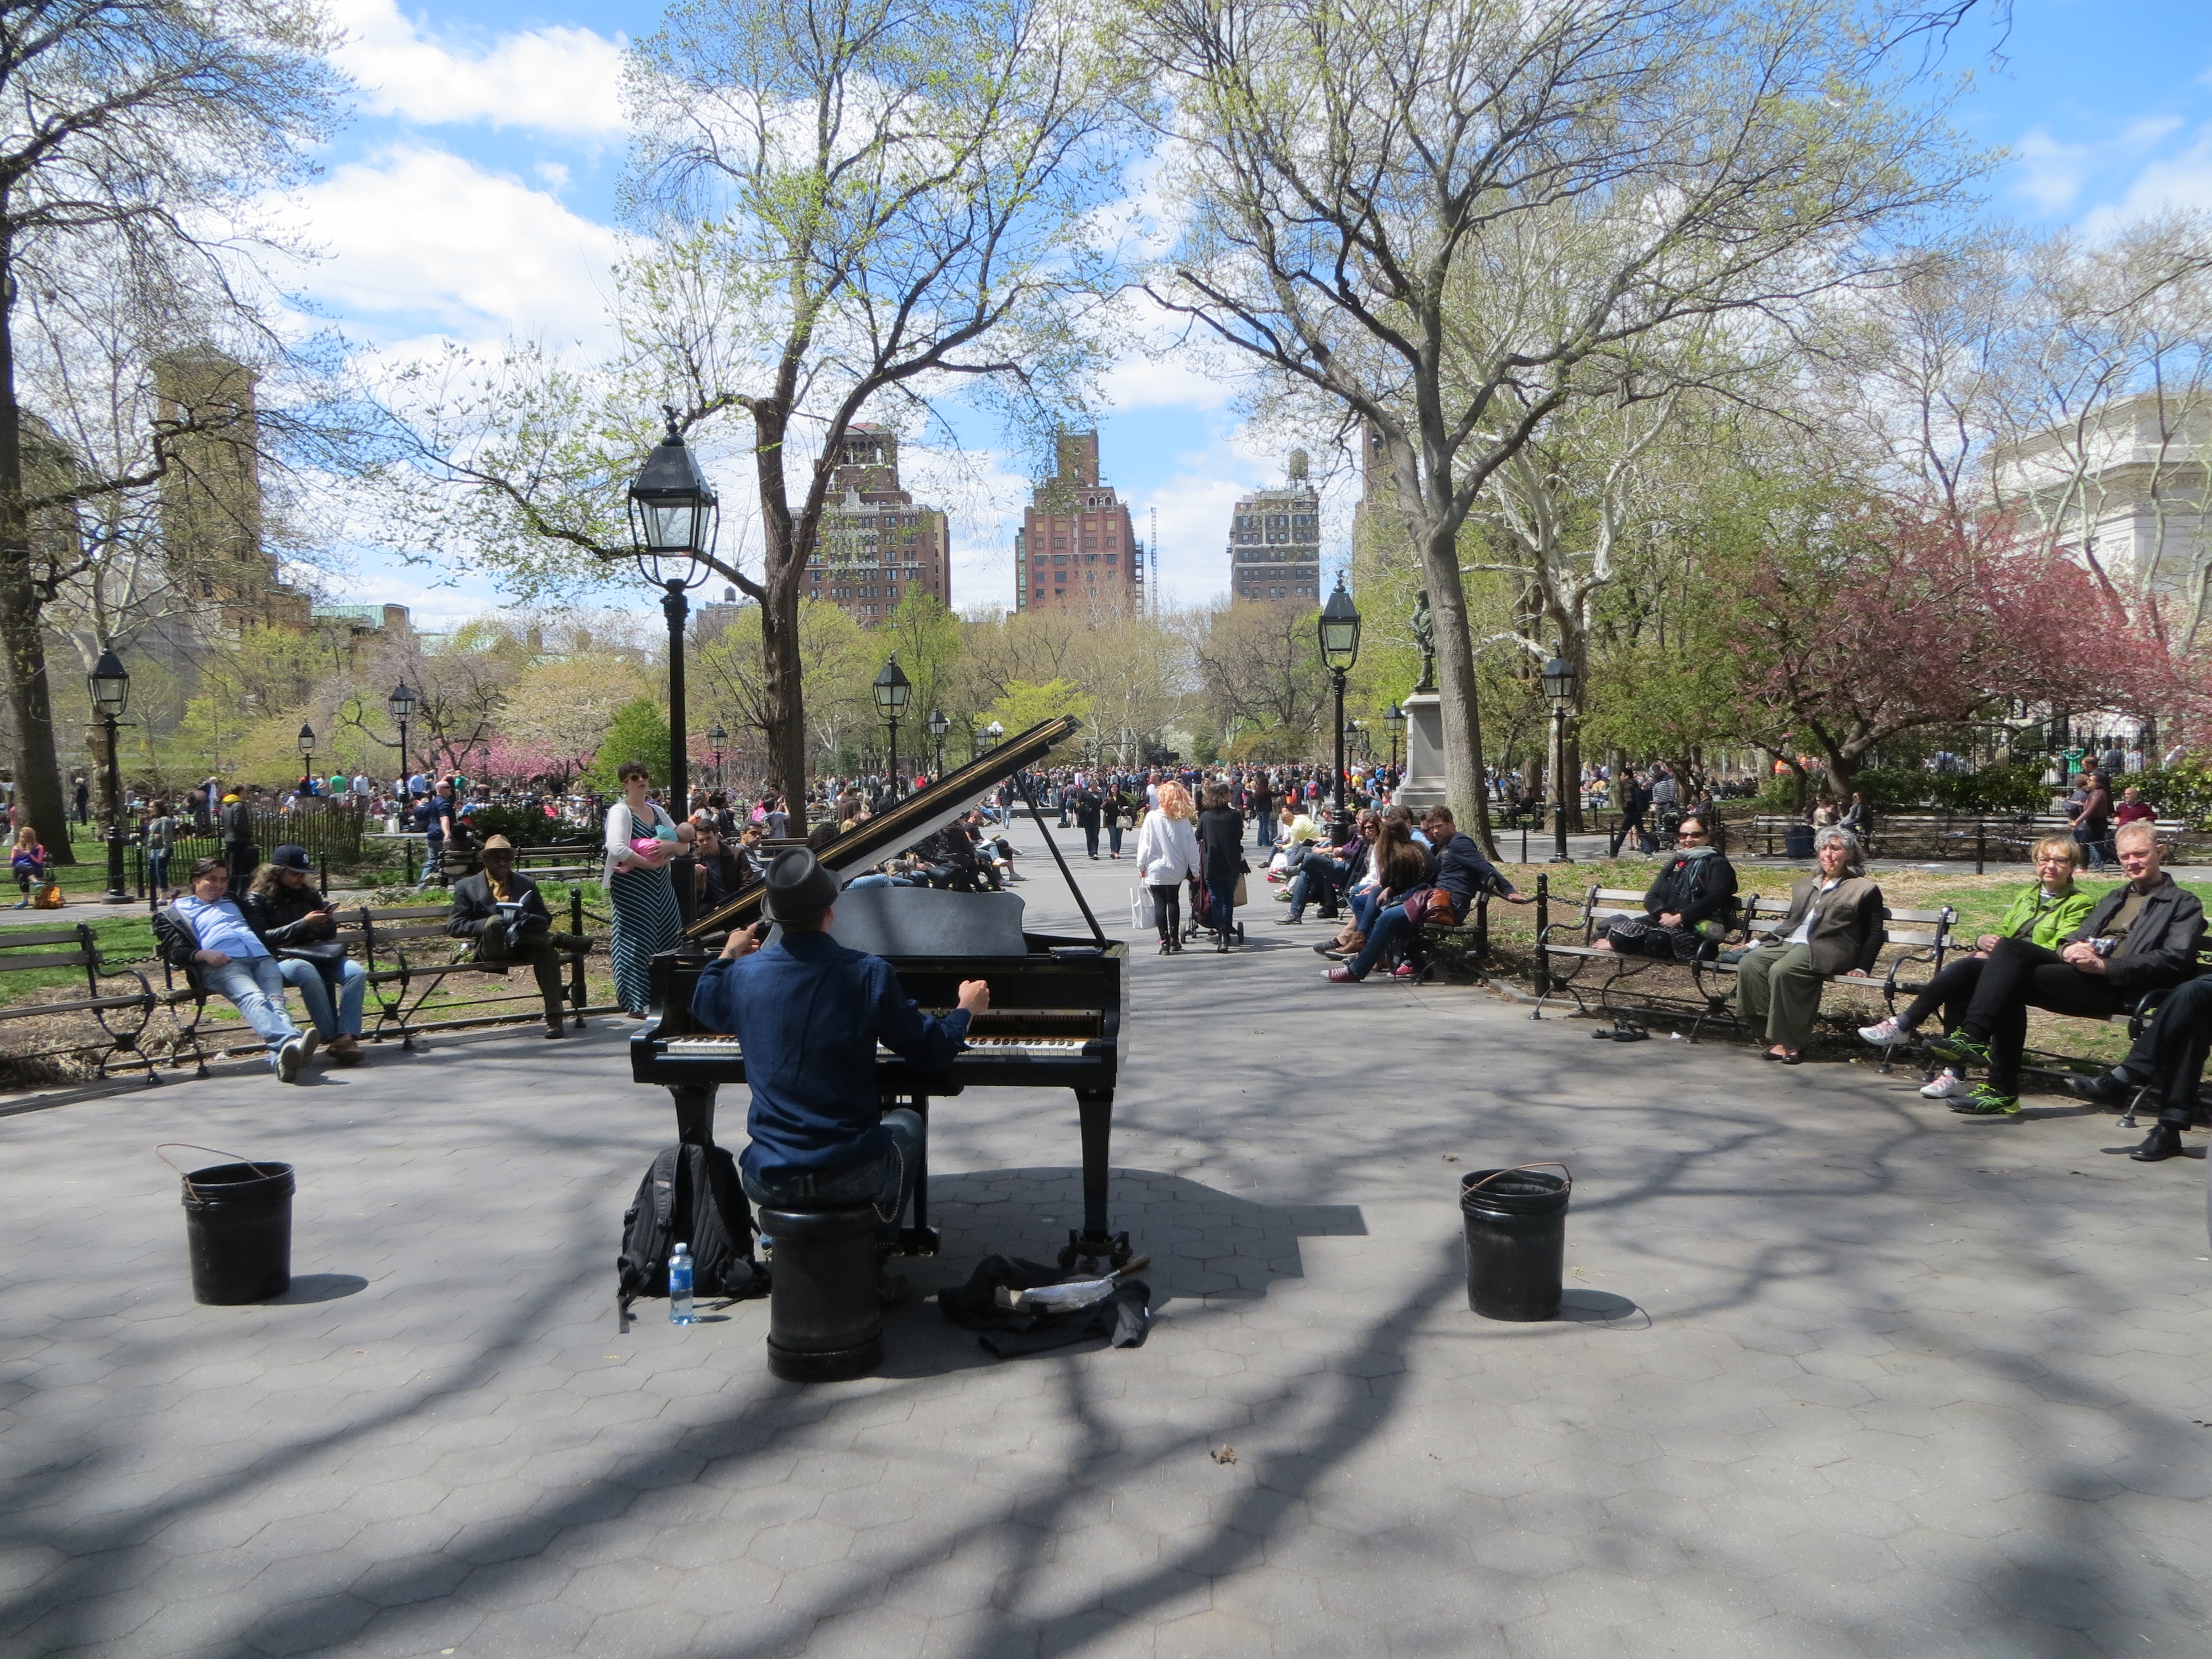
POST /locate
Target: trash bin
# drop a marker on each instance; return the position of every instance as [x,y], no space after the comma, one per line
[238,1231]
[1797,840]
[1516,1222]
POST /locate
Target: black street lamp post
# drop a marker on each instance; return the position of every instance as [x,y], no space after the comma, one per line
[1395,720]
[891,692]
[109,683]
[401,702]
[938,725]
[674,519]
[1340,649]
[307,755]
[1559,686]
[717,737]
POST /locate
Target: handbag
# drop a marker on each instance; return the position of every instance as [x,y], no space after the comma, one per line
[1238,898]
[50,896]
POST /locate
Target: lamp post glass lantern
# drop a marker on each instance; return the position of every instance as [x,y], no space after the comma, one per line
[891,691]
[716,737]
[1340,649]
[673,518]
[307,755]
[1559,684]
[938,725]
[401,702]
[110,685]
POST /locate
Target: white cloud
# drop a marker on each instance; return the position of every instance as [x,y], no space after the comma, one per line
[419,240]
[2181,180]
[2053,173]
[550,80]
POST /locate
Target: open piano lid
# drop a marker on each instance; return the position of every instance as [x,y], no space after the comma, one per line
[918,817]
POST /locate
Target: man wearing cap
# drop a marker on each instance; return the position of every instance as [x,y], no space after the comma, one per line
[240,851]
[808,1013]
[503,910]
[290,916]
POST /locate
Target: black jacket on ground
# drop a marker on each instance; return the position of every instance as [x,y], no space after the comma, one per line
[2161,948]
[473,906]
[1698,888]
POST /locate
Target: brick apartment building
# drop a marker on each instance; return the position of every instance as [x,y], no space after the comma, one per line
[1077,549]
[876,546]
[1274,542]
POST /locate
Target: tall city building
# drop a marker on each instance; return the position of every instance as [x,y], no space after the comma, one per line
[1077,549]
[876,547]
[1274,542]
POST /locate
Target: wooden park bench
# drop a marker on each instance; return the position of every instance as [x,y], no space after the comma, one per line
[410,956]
[25,950]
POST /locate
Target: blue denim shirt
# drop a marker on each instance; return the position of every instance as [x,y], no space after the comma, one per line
[810,1013]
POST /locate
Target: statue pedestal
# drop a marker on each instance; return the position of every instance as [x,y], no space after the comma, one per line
[1423,787]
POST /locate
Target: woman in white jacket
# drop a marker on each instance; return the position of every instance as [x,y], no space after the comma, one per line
[1167,856]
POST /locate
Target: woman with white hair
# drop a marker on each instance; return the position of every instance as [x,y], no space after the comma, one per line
[1834,926]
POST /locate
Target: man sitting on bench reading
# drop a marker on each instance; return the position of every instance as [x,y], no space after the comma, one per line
[808,1013]
[503,910]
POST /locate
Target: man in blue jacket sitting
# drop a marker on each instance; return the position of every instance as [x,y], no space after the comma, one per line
[809,1013]
[1462,873]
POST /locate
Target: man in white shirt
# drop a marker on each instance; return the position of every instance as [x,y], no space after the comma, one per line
[209,938]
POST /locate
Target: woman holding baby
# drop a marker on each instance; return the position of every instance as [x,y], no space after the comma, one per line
[642,840]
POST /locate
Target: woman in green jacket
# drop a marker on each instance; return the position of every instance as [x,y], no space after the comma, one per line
[2046,913]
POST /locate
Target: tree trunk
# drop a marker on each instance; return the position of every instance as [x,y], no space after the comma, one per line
[782,676]
[38,765]
[1456,687]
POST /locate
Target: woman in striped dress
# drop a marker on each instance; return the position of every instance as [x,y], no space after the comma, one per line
[646,920]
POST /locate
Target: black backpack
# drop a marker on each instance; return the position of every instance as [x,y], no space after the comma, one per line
[690,1195]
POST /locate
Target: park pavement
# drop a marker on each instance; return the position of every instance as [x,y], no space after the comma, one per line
[1840,1373]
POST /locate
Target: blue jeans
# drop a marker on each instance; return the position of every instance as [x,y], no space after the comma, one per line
[1363,905]
[255,987]
[1221,905]
[1390,927]
[885,1183]
[433,858]
[1266,831]
[157,870]
[305,978]
[1113,839]
[1314,867]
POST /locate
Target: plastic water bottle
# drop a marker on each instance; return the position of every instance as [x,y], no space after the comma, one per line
[764,1247]
[679,1286]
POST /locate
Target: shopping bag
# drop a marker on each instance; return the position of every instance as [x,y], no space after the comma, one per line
[1144,908]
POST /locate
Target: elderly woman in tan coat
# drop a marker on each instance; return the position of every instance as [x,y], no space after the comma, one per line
[1834,926]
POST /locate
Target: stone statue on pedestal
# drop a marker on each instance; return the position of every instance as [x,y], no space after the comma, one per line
[1424,636]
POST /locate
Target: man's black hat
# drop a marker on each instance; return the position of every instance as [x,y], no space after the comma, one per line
[797,886]
[290,857]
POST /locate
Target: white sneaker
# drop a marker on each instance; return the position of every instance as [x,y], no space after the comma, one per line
[1884,1035]
[1946,1085]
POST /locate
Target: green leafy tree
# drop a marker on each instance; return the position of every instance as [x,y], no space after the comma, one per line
[638,732]
[1025,703]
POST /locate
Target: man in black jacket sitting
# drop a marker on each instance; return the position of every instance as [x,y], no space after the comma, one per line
[2142,937]
[2168,1060]
[504,913]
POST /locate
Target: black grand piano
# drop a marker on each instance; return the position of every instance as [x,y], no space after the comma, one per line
[1057,1004]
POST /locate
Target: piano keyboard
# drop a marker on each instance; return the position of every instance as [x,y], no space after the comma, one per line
[1043,1047]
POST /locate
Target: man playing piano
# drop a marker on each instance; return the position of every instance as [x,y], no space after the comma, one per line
[809,1013]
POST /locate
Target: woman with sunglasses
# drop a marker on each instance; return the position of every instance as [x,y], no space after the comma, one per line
[1688,906]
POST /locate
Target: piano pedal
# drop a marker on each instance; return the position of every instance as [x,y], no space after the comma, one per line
[1087,1250]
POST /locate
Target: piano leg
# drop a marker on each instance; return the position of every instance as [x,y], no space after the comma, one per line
[1095,1112]
[695,1113]
[918,1238]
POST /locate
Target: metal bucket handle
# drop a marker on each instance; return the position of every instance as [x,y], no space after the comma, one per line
[161,1152]
[1541,1162]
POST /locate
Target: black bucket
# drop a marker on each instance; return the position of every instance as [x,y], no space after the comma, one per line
[1797,840]
[238,1231]
[1516,1240]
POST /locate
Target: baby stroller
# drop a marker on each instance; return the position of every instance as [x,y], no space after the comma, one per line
[1201,918]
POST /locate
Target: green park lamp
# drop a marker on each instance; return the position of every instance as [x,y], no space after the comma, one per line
[110,685]
[673,518]
[1339,650]
[891,691]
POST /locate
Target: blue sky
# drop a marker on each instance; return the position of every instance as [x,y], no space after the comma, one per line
[471,197]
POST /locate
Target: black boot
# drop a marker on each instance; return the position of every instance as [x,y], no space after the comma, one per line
[2108,1089]
[2164,1141]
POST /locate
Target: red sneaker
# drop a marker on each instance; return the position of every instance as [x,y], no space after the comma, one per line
[1341,976]
[1404,970]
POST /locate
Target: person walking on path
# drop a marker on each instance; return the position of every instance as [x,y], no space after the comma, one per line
[640,840]
[1221,845]
[1167,856]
